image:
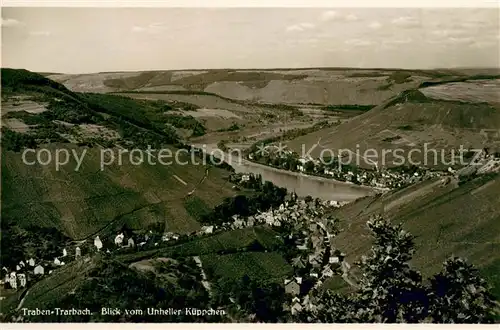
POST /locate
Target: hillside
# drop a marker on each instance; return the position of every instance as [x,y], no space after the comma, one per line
[445,218]
[174,260]
[257,103]
[292,86]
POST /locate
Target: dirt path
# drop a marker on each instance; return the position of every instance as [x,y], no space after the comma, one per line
[180,180]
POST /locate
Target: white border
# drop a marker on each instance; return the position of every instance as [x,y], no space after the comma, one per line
[248,4]
[259,3]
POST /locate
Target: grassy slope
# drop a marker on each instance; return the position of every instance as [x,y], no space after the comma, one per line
[224,241]
[446,220]
[264,266]
[83,202]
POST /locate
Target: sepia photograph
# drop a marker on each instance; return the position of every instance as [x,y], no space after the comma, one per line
[250,164]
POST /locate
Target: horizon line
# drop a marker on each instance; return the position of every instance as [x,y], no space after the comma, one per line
[263,69]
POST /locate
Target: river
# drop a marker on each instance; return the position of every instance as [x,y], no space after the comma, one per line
[303,185]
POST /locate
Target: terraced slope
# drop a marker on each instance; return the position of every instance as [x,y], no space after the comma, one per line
[440,117]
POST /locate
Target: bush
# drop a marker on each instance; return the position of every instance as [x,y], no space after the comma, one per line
[390,291]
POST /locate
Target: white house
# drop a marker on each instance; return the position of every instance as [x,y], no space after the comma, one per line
[18,268]
[39,270]
[119,239]
[13,280]
[31,262]
[98,243]
[296,308]
[207,229]
[65,253]
[57,262]
[22,264]
[327,272]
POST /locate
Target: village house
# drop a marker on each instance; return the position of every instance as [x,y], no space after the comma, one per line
[13,280]
[98,243]
[207,229]
[328,172]
[327,272]
[22,264]
[309,304]
[297,262]
[240,223]
[318,284]
[315,240]
[65,253]
[130,242]
[119,239]
[22,280]
[345,267]
[31,262]
[292,287]
[78,252]
[57,262]
[38,270]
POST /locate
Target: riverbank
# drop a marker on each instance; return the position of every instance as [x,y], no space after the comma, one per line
[314,186]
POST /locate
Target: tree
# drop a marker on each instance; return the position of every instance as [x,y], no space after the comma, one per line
[390,291]
[460,288]
[263,300]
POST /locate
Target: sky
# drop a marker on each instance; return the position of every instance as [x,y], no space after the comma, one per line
[84,40]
